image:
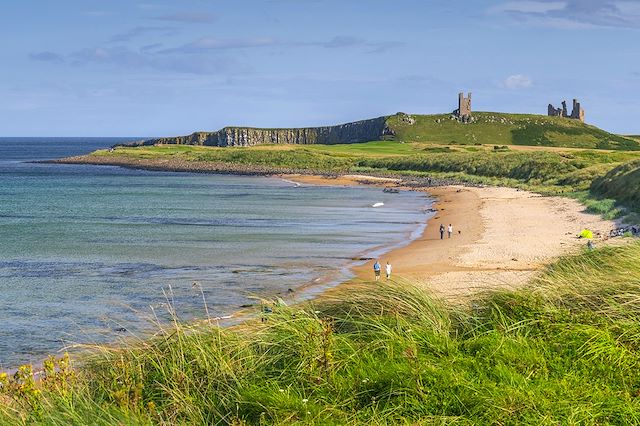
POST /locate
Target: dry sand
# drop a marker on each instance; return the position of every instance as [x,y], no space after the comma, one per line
[502,237]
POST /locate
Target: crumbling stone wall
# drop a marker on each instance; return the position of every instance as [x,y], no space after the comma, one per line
[577,113]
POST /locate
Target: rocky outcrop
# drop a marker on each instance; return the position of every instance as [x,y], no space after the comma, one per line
[356,132]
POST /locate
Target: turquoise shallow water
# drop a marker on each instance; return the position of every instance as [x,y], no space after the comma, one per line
[87,250]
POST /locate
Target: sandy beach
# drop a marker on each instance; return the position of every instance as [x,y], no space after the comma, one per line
[502,237]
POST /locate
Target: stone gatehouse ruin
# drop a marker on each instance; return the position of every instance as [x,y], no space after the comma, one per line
[463,113]
[577,113]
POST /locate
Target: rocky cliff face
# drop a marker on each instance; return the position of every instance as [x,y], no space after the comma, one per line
[356,132]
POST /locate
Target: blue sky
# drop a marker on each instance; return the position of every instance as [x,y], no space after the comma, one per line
[154,68]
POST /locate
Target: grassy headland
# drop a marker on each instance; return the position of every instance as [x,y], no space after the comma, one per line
[508,129]
[563,350]
[550,155]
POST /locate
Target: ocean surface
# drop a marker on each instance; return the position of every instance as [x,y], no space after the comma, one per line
[88,251]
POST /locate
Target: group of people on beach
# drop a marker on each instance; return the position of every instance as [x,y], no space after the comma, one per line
[377,269]
[449,230]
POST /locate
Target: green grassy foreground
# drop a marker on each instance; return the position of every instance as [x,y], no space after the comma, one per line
[564,350]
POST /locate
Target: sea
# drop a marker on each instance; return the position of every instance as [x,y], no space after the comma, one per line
[89,254]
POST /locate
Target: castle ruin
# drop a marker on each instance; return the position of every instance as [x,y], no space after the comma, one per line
[577,113]
[463,113]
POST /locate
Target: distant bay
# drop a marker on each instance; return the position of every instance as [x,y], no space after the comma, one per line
[86,251]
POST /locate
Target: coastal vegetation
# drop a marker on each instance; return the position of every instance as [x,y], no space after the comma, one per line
[621,183]
[594,174]
[562,350]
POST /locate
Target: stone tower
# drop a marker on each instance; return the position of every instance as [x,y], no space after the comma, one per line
[577,112]
[464,105]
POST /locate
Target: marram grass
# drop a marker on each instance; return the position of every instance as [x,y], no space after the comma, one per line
[564,350]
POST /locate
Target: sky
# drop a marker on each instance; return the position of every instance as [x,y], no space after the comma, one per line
[160,68]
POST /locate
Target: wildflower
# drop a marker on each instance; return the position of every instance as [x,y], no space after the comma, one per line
[305,400]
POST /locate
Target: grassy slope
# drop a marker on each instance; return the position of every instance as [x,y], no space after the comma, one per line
[563,351]
[509,129]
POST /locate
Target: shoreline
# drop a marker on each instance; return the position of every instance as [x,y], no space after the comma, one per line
[454,268]
[181,166]
[421,257]
[501,235]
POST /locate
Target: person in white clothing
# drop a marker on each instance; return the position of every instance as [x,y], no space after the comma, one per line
[450,230]
[388,270]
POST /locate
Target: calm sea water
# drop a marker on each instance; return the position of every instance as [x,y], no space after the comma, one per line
[87,250]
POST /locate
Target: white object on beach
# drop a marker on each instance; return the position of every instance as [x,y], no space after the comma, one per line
[378,205]
[295,184]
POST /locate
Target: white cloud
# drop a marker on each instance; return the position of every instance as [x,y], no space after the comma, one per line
[517,81]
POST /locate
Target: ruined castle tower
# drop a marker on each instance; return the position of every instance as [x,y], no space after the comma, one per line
[577,113]
[464,107]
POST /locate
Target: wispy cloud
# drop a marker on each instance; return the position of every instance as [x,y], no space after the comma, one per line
[517,81]
[345,41]
[201,56]
[142,31]
[342,41]
[573,14]
[46,56]
[97,13]
[190,17]
[212,43]
[151,47]
[123,57]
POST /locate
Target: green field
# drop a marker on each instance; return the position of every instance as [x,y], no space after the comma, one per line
[509,129]
[563,350]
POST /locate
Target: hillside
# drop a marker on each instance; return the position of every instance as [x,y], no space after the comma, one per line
[507,129]
[487,128]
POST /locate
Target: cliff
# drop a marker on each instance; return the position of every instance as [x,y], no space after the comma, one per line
[356,132]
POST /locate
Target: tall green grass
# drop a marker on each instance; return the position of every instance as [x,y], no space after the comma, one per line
[564,350]
[621,183]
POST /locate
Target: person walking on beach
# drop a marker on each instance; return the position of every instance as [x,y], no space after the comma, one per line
[388,270]
[450,230]
[376,270]
[441,231]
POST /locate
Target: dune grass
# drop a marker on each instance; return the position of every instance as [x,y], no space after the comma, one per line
[562,351]
[621,183]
